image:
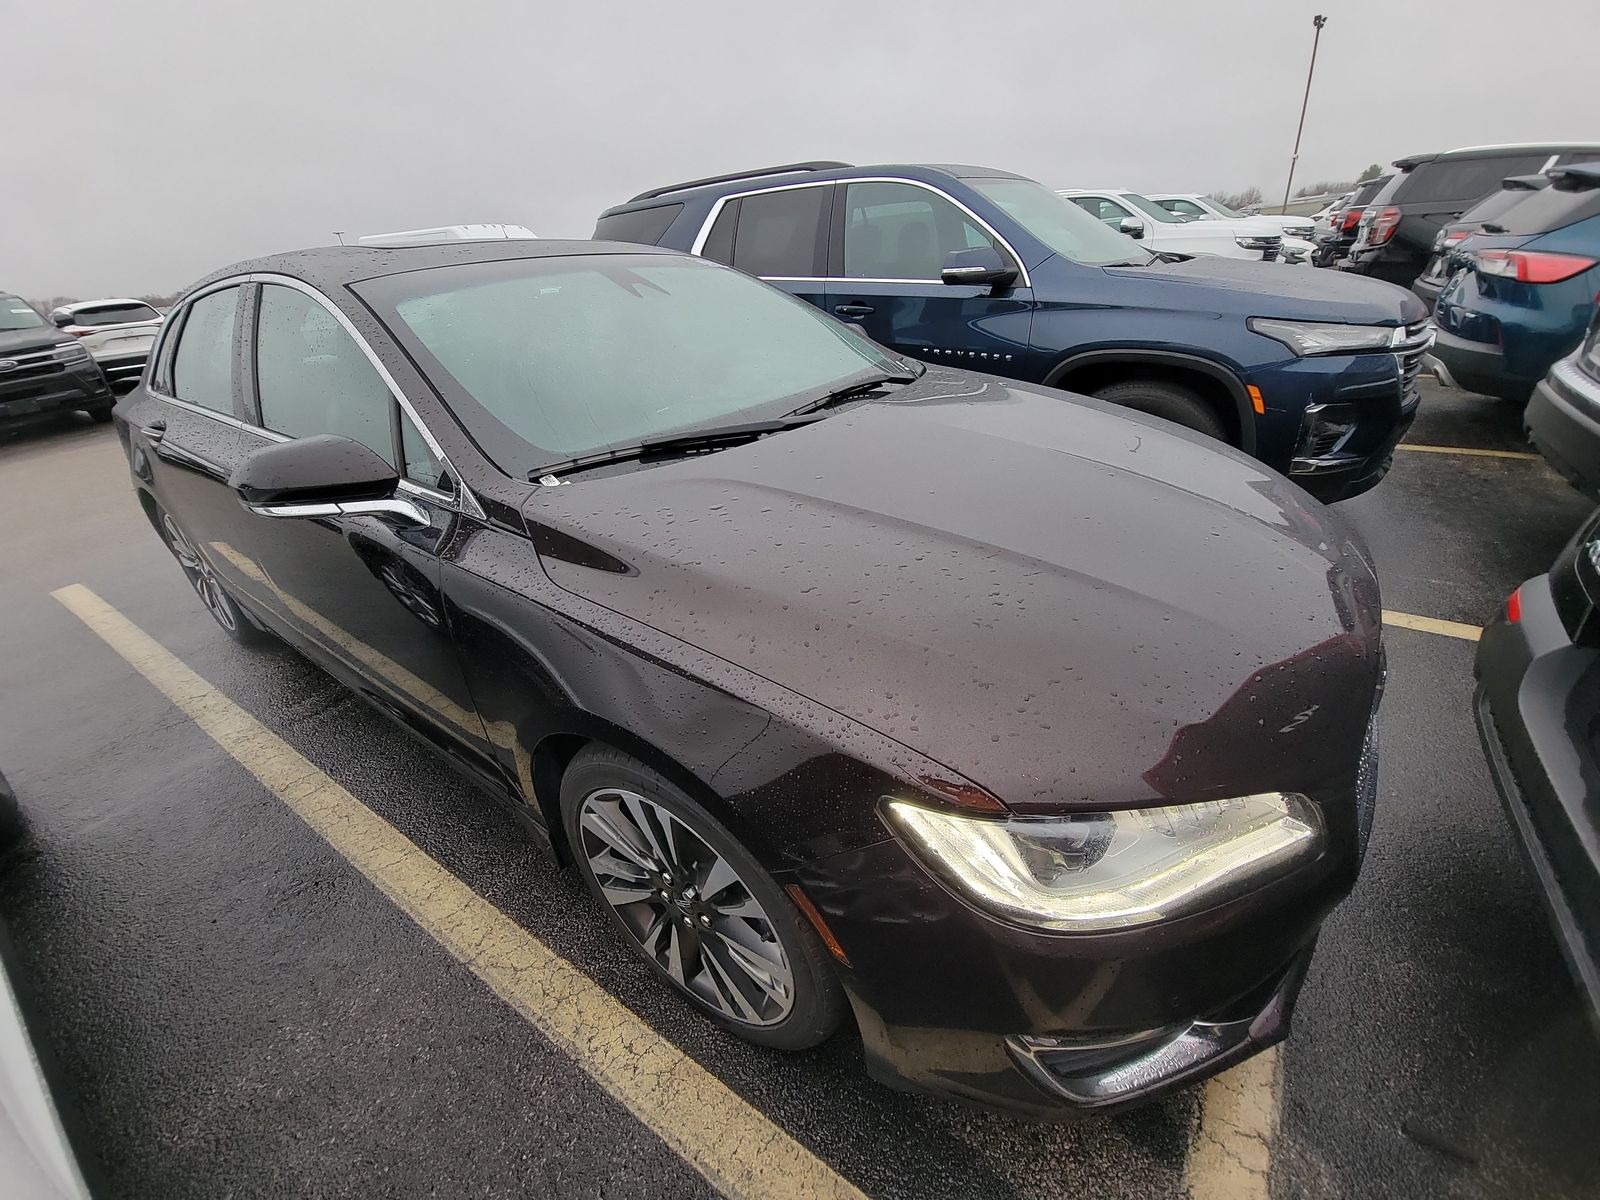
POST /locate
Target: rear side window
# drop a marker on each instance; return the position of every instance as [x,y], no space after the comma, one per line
[783,233]
[114,314]
[644,226]
[312,377]
[1462,181]
[1557,206]
[202,367]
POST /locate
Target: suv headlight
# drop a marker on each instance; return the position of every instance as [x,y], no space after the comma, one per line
[1258,242]
[1090,872]
[70,352]
[1314,337]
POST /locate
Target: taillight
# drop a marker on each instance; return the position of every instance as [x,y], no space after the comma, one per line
[1383,226]
[1514,606]
[1532,266]
[1351,217]
[75,331]
[1452,236]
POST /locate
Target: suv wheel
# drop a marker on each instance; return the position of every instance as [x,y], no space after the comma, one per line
[1170,401]
[695,905]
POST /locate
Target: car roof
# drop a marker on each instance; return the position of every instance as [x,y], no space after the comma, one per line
[80,305]
[327,268]
[791,173]
[1416,160]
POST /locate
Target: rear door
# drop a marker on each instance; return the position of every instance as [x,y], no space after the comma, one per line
[779,235]
[361,593]
[186,433]
[888,247]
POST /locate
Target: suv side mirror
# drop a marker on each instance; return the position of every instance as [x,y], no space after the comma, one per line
[981,265]
[321,476]
[1131,226]
[60,319]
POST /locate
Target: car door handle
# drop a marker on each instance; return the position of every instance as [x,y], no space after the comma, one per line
[854,310]
[156,430]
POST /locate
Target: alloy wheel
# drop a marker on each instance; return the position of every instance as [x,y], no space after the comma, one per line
[201,577]
[686,907]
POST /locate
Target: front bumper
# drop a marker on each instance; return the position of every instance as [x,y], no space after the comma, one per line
[1563,422]
[42,391]
[1538,696]
[1345,440]
[952,1001]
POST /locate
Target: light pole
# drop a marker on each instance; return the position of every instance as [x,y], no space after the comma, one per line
[1319,21]
[339,233]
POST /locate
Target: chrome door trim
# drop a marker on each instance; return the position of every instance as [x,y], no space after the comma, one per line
[463,497]
[392,507]
[716,211]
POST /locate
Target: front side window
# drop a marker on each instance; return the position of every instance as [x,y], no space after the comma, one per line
[202,366]
[783,233]
[1102,209]
[900,231]
[1062,225]
[313,378]
[545,359]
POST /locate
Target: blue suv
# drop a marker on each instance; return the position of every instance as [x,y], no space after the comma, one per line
[1312,372]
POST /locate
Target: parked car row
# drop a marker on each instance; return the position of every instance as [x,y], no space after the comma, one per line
[1167,232]
[1315,375]
[77,360]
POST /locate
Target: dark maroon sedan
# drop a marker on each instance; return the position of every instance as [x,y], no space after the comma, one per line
[1033,733]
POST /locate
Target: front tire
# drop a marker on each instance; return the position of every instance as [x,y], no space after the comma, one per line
[695,905]
[222,607]
[1171,401]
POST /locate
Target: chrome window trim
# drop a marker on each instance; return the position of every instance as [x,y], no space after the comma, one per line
[463,497]
[716,211]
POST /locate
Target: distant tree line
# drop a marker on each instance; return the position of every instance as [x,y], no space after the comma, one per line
[1251,197]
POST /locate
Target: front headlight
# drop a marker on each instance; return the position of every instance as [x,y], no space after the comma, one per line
[70,352]
[1091,872]
[1258,243]
[1315,337]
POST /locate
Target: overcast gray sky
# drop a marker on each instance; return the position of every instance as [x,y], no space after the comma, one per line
[147,143]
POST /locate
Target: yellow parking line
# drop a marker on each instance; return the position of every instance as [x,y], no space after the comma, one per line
[1455,629]
[738,1150]
[1465,450]
[1230,1150]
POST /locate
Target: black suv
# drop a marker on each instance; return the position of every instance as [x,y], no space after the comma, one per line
[44,371]
[1431,190]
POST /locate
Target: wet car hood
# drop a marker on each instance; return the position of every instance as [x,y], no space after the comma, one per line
[1273,290]
[37,337]
[1063,604]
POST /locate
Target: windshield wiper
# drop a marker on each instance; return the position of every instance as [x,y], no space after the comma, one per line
[693,441]
[851,391]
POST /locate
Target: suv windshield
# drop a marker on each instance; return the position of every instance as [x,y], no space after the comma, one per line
[1221,209]
[546,359]
[16,314]
[114,314]
[1062,225]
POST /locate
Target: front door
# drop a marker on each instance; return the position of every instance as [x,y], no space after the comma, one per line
[891,240]
[362,593]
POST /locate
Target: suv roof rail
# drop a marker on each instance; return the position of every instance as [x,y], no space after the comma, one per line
[785,169]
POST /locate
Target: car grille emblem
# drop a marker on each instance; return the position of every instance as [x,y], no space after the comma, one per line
[9,364]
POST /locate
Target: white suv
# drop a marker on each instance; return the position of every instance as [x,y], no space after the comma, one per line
[1161,231]
[117,334]
[1204,208]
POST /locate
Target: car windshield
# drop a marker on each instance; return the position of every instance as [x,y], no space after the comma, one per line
[549,359]
[1060,224]
[1221,209]
[1146,205]
[114,314]
[15,314]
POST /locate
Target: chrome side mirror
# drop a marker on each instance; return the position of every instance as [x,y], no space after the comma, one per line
[394,506]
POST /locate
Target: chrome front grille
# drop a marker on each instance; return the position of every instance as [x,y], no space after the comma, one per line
[31,364]
[1410,349]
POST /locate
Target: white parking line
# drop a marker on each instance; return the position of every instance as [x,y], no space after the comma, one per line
[1455,629]
[733,1145]
[1230,1150]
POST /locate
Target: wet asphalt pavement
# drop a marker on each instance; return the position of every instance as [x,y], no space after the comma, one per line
[233,1010]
